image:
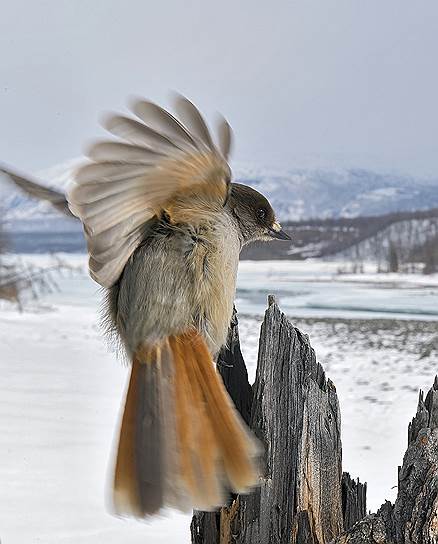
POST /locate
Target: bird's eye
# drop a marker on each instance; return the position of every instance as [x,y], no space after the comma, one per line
[261,213]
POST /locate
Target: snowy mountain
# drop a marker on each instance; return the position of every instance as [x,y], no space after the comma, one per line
[306,193]
[295,194]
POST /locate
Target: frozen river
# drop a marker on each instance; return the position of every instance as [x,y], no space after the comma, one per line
[315,289]
[309,289]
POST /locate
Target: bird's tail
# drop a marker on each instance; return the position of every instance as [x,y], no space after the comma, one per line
[182,443]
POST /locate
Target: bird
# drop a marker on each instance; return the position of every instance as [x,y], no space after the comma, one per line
[164,224]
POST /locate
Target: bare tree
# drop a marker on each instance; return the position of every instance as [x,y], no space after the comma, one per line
[430,259]
[393,260]
[18,278]
[8,286]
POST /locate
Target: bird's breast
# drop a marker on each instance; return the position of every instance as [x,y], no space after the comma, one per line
[214,260]
[179,278]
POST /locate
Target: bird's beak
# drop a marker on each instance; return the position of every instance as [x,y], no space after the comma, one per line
[277,232]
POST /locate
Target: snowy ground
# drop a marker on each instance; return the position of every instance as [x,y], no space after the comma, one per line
[61,388]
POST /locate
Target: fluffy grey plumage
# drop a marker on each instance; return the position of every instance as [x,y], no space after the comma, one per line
[160,290]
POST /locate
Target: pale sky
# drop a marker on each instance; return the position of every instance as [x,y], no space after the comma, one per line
[343,81]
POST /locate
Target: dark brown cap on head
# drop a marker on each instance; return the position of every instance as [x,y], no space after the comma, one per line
[255,214]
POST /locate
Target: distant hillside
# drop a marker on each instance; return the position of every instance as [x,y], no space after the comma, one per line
[304,194]
[295,194]
[410,236]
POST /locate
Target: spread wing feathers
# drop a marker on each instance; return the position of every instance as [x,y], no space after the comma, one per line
[165,123]
[159,163]
[35,190]
[225,137]
[193,120]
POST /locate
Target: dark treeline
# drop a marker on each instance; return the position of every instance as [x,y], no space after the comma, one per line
[393,240]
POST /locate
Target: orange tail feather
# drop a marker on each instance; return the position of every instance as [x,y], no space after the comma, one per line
[182,442]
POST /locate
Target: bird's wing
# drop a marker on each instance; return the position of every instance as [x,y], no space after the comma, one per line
[158,163]
[35,190]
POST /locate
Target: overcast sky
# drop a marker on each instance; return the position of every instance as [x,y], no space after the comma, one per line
[338,82]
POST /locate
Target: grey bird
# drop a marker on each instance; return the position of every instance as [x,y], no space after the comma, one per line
[164,226]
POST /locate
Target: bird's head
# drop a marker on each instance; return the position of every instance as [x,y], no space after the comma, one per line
[254,215]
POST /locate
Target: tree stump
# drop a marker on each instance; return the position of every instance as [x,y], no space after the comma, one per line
[413,519]
[304,498]
[354,500]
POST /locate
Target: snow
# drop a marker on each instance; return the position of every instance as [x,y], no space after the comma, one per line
[61,389]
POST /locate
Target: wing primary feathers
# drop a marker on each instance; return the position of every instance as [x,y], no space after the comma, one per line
[35,190]
[225,137]
[138,134]
[163,122]
[101,172]
[116,151]
[159,162]
[92,192]
[194,121]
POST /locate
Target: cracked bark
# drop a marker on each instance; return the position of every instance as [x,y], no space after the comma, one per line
[304,498]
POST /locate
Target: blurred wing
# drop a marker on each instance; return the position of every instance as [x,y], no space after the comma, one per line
[35,190]
[225,137]
[158,163]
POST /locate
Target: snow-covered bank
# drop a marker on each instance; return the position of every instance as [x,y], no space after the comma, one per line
[59,402]
[325,270]
[61,389]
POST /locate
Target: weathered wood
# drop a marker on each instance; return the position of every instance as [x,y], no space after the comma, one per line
[214,527]
[295,414]
[304,498]
[416,507]
[205,527]
[232,368]
[413,519]
[354,500]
